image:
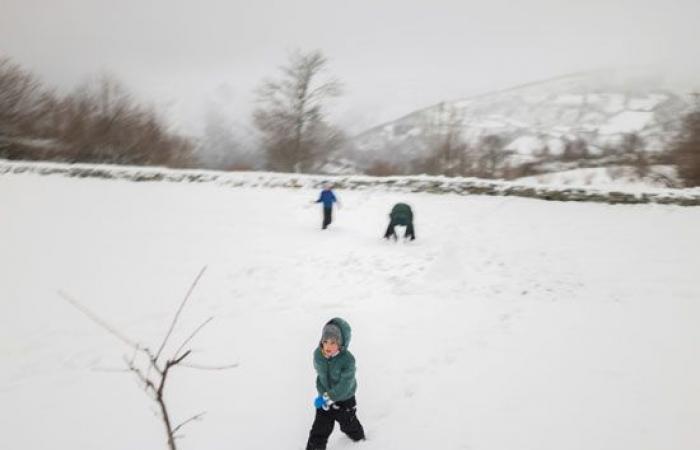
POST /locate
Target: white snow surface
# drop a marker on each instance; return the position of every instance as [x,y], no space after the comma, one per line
[509,323]
[621,177]
[526,145]
[627,122]
[646,104]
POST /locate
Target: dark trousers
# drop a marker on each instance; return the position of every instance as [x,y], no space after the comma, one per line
[327,217]
[341,412]
[410,232]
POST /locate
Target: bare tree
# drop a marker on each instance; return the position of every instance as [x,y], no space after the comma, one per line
[154,375]
[24,101]
[634,148]
[291,117]
[574,150]
[686,149]
[491,156]
[446,148]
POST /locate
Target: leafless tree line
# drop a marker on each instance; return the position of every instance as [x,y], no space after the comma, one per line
[100,122]
[447,152]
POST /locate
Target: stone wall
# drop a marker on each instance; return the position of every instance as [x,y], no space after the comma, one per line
[430,184]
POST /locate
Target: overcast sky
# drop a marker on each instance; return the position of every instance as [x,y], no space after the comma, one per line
[393,56]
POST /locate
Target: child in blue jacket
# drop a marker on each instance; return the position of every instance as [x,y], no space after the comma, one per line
[327,197]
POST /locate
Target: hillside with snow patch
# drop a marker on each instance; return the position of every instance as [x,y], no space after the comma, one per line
[538,119]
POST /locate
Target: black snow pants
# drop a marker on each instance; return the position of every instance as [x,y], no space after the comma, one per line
[391,232]
[342,412]
[327,217]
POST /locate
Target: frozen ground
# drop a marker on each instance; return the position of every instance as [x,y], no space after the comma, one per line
[509,324]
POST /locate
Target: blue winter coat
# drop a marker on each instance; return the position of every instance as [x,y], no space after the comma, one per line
[327,198]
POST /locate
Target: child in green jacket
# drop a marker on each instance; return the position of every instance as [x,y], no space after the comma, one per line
[336,385]
[401,214]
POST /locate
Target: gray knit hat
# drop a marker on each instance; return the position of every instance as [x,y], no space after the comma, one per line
[331,332]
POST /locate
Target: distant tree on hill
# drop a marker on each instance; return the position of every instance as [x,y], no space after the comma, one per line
[634,148]
[686,149]
[491,156]
[574,150]
[291,114]
[445,147]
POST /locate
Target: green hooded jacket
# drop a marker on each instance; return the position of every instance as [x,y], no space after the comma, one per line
[401,213]
[336,375]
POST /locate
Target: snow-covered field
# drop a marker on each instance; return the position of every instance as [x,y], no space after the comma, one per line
[509,324]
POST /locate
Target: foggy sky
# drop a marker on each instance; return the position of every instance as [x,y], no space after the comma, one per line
[392,56]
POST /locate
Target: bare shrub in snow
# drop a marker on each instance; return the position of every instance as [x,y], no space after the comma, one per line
[491,156]
[152,368]
[574,150]
[634,148]
[686,150]
[445,146]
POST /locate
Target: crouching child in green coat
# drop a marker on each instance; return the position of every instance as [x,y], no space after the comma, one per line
[336,385]
[401,214]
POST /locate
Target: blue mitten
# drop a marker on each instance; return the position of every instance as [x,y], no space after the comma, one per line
[322,402]
[319,402]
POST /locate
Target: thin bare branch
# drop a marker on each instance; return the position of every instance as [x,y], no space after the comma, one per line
[153,362]
[194,333]
[201,367]
[147,383]
[102,323]
[131,364]
[193,418]
[109,370]
[151,366]
[177,314]
[177,361]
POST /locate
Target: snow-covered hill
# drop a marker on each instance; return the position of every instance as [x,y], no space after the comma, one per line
[510,323]
[538,119]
